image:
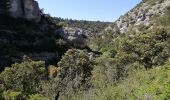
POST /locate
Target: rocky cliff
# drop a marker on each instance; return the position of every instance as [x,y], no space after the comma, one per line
[21,37]
[74,36]
[28,9]
[142,15]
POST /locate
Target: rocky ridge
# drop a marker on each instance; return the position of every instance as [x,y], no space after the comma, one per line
[142,14]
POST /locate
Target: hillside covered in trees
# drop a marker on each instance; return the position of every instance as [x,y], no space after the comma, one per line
[125,60]
[91,27]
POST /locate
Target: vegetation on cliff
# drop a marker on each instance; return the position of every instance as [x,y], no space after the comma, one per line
[130,65]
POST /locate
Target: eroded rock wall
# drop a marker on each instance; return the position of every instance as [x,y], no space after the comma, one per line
[28,9]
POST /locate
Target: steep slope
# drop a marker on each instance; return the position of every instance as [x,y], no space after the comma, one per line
[141,84]
[78,32]
[133,65]
[30,33]
[20,37]
[143,15]
[26,32]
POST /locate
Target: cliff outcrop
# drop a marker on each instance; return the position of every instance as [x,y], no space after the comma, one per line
[28,9]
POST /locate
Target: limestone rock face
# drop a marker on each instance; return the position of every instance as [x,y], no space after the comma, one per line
[142,14]
[28,9]
[73,35]
[16,10]
[31,9]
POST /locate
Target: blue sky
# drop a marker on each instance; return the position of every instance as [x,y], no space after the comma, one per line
[103,10]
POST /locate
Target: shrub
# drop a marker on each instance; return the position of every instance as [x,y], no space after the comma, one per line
[11,95]
[63,24]
[75,71]
[24,77]
[36,97]
[140,84]
[104,73]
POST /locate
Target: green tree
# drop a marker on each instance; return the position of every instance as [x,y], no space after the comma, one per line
[75,71]
[12,95]
[104,73]
[25,77]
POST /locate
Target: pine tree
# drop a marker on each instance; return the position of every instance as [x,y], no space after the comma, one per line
[4,7]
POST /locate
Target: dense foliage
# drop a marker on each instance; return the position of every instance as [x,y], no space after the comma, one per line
[92,27]
[133,65]
[22,79]
[20,36]
[30,78]
[140,84]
